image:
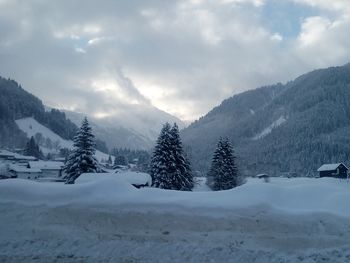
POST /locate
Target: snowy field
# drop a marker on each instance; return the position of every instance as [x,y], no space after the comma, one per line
[286,220]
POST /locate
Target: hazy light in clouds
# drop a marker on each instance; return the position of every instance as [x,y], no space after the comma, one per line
[182,56]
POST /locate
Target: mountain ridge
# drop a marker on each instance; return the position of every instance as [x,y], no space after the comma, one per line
[138,130]
[317,118]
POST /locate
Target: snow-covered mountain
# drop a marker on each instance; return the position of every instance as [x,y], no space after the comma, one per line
[292,127]
[48,141]
[137,129]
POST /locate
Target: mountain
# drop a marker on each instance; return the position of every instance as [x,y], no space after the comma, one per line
[49,141]
[134,130]
[137,129]
[294,127]
[16,103]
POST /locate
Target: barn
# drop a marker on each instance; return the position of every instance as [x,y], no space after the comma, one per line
[337,170]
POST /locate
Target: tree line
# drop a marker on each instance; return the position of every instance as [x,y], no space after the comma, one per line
[169,165]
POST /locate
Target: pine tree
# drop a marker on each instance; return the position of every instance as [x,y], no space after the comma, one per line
[32,149]
[183,178]
[120,160]
[81,160]
[223,173]
[110,160]
[169,167]
[162,161]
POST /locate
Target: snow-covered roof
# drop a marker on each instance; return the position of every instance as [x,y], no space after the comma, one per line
[6,153]
[23,169]
[46,165]
[23,157]
[330,167]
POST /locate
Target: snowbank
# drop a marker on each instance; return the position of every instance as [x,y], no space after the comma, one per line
[299,195]
[135,178]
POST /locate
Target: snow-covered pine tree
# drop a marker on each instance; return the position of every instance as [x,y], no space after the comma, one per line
[110,162]
[81,160]
[170,169]
[32,149]
[183,178]
[223,173]
[162,162]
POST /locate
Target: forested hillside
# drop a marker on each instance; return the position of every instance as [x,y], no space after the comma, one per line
[294,127]
[16,103]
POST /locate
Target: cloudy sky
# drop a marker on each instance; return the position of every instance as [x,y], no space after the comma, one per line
[183,57]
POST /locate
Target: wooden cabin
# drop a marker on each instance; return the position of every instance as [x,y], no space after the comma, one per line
[336,170]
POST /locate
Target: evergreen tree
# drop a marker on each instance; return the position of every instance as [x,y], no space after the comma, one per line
[223,173]
[81,160]
[169,167]
[32,149]
[109,160]
[120,160]
[183,178]
[162,160]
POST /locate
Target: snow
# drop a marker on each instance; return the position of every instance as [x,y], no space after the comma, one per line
[23,169]
[5,153]
[252,112]
[269,129]
[329,167]
[46,165]
[31,127]
[108,220]
[200,185]
[299,195]
[135,178]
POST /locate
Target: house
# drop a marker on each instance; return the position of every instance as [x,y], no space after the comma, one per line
[10,157]
[49,169]
[22,172]
[337,170]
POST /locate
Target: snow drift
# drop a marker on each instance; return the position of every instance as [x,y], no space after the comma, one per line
[286,195]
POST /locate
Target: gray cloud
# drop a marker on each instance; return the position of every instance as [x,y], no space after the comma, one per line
[181,56]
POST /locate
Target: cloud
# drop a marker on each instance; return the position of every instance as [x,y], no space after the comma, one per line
[182,56]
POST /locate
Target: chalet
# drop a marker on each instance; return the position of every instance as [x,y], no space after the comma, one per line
[10,157]
[337,170]
[50,169]
[22,172]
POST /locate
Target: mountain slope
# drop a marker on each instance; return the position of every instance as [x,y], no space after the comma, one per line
[281,128]
[49,141]
[137,129]
[16,103]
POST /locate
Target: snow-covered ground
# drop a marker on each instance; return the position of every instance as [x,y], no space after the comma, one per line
[200,185]
[269,129]
[31,127]
[286,220]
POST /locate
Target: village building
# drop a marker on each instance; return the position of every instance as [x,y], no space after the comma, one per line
[337,170]
[49,169]
[22,172]
[10,157]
